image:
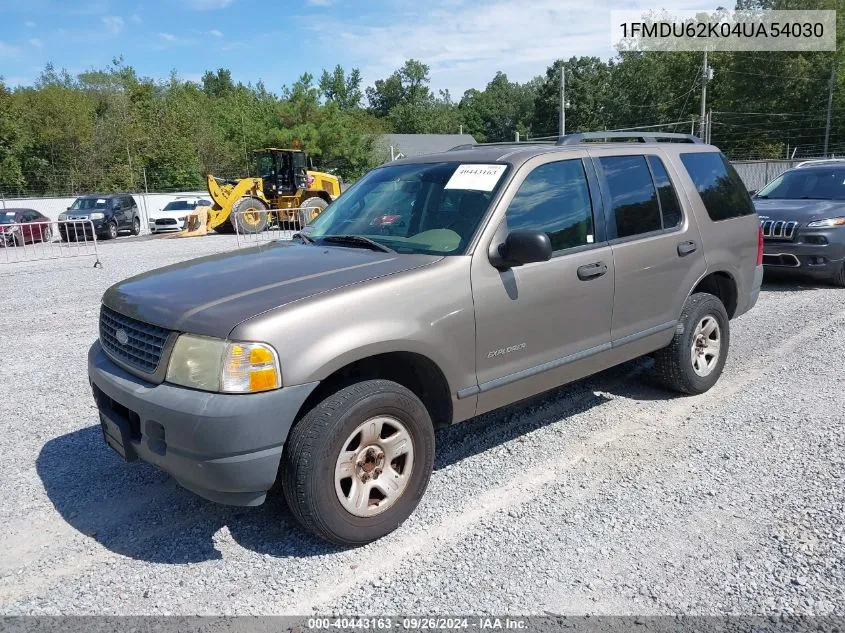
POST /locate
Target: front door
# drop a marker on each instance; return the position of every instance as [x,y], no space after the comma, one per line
[540,325]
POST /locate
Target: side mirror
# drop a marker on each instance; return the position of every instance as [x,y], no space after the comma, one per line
[68,209]
[752,192]
[522,247]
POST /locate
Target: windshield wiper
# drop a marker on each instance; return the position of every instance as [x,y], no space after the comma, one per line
[357,240]
[304,238]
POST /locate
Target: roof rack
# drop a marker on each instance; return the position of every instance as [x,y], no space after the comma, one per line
[819,161]
[580,137]
[642,137]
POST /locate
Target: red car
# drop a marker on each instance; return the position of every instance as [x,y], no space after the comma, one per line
[23,226]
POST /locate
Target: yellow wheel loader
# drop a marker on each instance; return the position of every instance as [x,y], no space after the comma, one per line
[287,190]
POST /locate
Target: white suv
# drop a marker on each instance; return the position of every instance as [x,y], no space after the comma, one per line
[172,217]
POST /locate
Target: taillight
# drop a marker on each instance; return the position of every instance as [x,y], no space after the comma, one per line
[760,246]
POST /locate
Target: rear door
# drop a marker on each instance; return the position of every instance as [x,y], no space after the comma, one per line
[657,248]
[535,324]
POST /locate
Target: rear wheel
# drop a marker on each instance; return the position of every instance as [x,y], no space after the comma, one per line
[693,361]
[46,233]
[136,226]
[357,464]
[249,215]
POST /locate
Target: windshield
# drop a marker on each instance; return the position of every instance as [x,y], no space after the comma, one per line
[180,205]
[7,217]
[419,208]
[818,183]
[84,204]
[265,165]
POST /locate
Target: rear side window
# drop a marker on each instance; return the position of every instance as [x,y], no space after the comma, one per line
[555,199]
[669,205]
[632,195]
[720,187]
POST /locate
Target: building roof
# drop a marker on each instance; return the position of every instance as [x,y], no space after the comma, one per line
[413,145]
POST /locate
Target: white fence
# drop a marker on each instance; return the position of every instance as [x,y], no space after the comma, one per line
[41,241]
[255,227]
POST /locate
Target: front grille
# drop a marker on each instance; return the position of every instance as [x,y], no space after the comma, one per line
[165,221]
[778,229]
[145,343]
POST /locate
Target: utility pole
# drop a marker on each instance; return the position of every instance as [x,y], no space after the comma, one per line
[702,125]
[562,99]
[829,106]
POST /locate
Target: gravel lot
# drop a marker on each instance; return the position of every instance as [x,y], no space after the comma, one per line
[608,496]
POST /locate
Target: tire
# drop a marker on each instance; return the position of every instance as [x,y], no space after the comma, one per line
[46,234]
[136,226]
[312,208]
[839,277]
[312,471]
[245,222]
[112,231]
[678,366]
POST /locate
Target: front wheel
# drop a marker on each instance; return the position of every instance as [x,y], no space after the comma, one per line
[249,215]
[693,361]
[357,464]
[111,231]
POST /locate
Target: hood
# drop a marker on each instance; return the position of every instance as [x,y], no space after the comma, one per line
[802,211]
[211,295]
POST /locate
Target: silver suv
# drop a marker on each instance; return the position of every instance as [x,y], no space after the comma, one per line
[435,289]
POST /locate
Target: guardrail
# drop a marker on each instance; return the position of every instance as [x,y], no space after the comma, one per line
[41,241]
[254,227]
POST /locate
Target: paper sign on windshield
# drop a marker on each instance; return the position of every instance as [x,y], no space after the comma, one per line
[476,177]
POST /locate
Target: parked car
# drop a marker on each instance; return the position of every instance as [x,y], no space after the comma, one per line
[108,214]
[172,217]
[517,269]
[802,214]
[19,227]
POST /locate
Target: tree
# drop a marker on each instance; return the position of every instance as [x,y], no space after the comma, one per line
[343,91]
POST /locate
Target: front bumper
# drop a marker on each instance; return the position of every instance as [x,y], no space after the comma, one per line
[166,228]
[224,447]
[815,252]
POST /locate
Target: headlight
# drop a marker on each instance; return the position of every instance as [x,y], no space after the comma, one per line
[97,216]
[62,217]
[213,364]
[825,224]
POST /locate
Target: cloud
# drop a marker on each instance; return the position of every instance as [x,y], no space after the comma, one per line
[7,50]
[135,18]
[465,46]
[215,33]
[30,24]
[167,37]
[113,23]
[319,3]
[209,5]
[36,43]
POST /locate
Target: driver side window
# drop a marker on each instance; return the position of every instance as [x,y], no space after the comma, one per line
[555,199]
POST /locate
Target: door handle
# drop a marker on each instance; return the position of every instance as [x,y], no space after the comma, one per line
[591,271]
[685,248]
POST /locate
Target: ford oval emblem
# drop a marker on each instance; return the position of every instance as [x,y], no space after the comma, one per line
[121,336]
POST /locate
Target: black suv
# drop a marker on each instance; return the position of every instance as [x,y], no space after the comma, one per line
[108,215]
[802,214]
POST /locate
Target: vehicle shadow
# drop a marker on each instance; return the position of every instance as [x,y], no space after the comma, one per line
[784,282]
[138,511]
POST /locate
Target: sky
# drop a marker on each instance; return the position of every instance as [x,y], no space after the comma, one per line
[463,41]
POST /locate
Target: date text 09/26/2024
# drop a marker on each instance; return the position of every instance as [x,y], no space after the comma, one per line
[417,623]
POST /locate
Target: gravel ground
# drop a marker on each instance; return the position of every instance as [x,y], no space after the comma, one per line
[608,496]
